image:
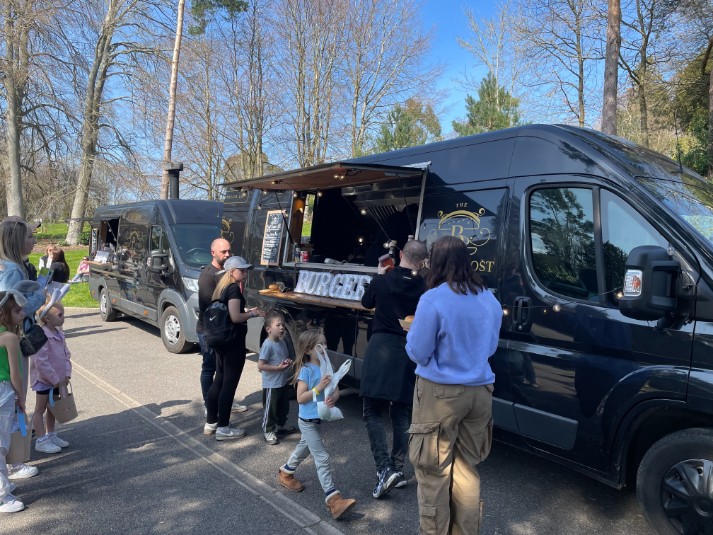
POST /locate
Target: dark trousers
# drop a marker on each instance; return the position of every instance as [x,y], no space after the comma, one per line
[228,369]
[400,414]
[208,366]
[276,402]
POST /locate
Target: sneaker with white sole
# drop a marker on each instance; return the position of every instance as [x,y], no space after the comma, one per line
[229,433]
[10,504]
[271,438]
[46,446]
[387,480]
[21,471]
[237,407]
[401,481]
[57,441]
[209,429]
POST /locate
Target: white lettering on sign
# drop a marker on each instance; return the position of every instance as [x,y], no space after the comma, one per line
[340,286]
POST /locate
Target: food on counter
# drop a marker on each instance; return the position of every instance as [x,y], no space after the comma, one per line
[273,288]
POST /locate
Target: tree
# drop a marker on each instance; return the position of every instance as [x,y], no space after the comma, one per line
[495,109]
[414,123]
[385,51]
[559,38]
[611,67]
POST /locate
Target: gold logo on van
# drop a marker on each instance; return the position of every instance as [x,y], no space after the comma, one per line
[466,226]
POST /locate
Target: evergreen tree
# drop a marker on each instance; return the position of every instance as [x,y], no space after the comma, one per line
[495,109]
[414,123]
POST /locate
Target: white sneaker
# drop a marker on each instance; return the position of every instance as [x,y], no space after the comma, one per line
[229,433]
[59,442]
[209,429]
[271,438]
[21,471]
[237,407]
[47,446]
[10,504]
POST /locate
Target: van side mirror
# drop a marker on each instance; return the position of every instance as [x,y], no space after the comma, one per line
[649,284]
[158,262]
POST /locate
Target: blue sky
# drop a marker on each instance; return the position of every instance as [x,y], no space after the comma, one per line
[448,21]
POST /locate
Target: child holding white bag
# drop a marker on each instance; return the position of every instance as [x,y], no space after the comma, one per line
[49,368]
[310,389]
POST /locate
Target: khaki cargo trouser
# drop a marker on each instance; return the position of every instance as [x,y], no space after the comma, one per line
[451,432]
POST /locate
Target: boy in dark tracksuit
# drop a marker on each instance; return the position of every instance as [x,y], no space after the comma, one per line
[274,363]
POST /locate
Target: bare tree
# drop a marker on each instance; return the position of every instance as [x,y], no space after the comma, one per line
[561,40]
[384,62]
[168,142]
[611,67]
[493,44]
[311,32]
[24,33]
[108,54]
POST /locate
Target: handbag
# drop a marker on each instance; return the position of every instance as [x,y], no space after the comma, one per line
[33,340]
[62,404]
[20,441]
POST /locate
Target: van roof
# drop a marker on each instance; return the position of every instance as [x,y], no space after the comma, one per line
[584,150]
[174,210]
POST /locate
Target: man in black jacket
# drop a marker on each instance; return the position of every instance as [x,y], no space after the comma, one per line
[387,379]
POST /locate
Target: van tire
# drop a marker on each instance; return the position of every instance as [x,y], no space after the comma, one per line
[682,461]
[172,331]
[106,311]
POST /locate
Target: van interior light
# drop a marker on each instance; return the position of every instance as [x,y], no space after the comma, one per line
[360,239]
[556,307]
[506,312]
[363,211]
[339,177]
[319,193]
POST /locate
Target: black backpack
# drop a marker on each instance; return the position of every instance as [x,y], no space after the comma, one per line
[218,329]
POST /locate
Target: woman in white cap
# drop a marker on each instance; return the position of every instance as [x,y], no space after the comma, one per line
[230,359]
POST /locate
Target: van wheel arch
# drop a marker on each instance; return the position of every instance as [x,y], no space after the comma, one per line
[173,331]
[672,482]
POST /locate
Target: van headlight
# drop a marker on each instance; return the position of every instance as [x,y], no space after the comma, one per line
[191,284]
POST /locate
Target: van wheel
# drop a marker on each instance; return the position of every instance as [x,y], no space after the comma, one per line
[106,311]
[675,483]
[172,331]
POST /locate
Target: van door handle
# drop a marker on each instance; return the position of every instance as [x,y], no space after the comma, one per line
[523,313]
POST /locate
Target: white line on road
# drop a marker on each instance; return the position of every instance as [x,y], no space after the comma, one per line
[308,521]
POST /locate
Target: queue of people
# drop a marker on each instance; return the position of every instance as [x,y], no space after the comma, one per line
[435,381]
[21,298]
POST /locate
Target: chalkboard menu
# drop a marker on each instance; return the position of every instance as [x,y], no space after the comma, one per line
[271,238]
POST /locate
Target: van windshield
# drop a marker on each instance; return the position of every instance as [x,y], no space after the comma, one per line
[193,243]
[686,195]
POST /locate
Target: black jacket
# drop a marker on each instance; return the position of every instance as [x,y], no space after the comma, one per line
[387,372]
[395,296]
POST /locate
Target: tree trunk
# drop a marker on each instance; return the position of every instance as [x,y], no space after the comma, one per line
[14,183]
[90,128]
[168,142]
[643,117]
[611,64]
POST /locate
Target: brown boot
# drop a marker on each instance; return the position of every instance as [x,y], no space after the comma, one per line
[289,482]
[338,505]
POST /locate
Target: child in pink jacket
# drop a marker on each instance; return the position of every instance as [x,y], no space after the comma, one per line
[49,368]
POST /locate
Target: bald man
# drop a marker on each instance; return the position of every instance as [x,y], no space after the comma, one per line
[220,251]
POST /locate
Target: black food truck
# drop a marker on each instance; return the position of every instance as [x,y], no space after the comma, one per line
[146,259]
[600,252]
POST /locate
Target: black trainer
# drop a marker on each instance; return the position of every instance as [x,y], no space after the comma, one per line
[387,481]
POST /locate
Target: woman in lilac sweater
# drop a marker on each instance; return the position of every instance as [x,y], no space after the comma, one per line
[454,332]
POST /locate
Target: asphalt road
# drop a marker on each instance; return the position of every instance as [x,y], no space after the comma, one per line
[138,462]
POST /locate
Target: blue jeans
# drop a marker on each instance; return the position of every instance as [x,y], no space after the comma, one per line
[208,366]
[400,414]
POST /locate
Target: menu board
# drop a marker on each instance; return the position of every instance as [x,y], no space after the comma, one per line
[271,238]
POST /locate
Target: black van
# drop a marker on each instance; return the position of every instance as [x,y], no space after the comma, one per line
[147,257]
[601,254]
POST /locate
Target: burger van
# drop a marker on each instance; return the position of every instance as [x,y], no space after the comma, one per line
[600,252]
[146,259]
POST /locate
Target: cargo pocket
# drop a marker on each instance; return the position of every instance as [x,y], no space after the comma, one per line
[428,519]
[423,445]
[486,441]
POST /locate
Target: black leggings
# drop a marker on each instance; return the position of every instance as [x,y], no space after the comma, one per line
[229,365]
